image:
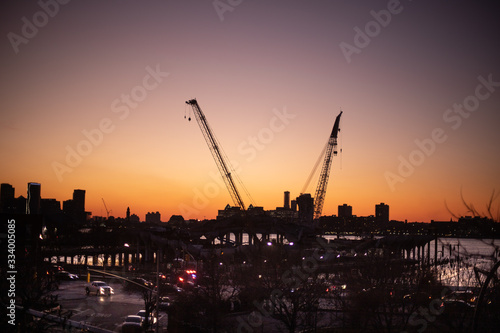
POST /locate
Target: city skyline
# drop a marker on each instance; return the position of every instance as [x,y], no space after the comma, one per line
[94,98]
[77,204]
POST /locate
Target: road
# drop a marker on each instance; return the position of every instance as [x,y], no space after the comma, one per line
[107,312]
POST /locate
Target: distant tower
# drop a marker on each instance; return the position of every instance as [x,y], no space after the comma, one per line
[33,202]
[345,211]
[286,205]
[128,213]
[382,212]
[79,201]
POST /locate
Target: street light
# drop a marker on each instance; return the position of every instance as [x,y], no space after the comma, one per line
[158,256]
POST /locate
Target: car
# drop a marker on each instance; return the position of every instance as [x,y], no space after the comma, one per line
[142,314]
[134,319]
[64,275]
[170,289]
[139,284]
[465,296]
[418,298]
[132,324]
[164,303]
[187,279]
[99,288]
[459,302]
[56,268]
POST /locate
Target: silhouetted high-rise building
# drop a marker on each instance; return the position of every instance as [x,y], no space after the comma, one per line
[345,211]
[20,205]
[75,208]
[79,201]
[286,204]
[7,202]
[306,208]
[33,201]
[68,206]
[382,212]
[6,192]
[153,217]
[50,206]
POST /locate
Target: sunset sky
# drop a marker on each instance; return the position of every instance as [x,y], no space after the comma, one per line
[93,97]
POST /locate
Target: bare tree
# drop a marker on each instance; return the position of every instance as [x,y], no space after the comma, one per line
[489,213]
[203,306]
[149,305]
[290,288]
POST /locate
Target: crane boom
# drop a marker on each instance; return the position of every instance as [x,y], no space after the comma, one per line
[325,170]
[106,208]
[218,154]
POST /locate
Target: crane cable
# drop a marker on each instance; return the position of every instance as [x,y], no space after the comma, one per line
[230,168]
[187,112]
[341,135]
[315,169]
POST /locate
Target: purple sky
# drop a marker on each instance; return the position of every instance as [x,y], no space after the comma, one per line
[264,62]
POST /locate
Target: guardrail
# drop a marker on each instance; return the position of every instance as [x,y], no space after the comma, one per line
[68,323]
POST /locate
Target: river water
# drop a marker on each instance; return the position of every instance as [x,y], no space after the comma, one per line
[457,258]
[464,254]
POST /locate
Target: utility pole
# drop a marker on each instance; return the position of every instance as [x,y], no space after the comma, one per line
[158,256]
[458,265]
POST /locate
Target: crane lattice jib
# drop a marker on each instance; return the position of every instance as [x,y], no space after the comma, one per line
[218,154]
[325,170]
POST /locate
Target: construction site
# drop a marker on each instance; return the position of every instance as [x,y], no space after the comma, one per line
[301,212]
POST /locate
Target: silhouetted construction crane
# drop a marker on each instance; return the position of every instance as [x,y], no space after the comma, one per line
[106,208]
[319,198]
[331,147]
[218,154]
